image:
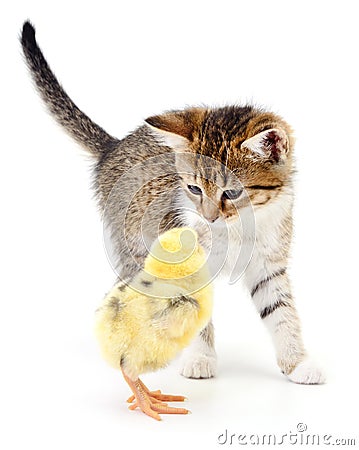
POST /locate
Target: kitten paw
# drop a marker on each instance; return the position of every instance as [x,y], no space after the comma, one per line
[307,372]
[199,366]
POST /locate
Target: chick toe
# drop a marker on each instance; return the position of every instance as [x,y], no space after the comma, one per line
[158,396]
[167,397]
[164,409]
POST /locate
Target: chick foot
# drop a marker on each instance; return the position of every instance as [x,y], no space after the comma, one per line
[157,396]
[148,403]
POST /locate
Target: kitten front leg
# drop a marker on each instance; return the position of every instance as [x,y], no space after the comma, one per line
[271,293]
[199,360]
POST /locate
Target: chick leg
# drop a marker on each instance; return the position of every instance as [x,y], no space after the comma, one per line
[157,395]
[151,407]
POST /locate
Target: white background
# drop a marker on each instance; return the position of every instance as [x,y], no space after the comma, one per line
[120,62]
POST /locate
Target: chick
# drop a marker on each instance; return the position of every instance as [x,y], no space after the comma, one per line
[143,325]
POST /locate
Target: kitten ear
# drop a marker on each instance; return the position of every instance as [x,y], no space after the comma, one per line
[176,129]
[272,144]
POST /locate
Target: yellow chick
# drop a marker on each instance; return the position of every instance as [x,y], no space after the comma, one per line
[141,326]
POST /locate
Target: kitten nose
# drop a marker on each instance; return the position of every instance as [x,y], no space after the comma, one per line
[211,218]
[210,210]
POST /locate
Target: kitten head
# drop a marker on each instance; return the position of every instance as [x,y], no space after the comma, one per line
[227,157]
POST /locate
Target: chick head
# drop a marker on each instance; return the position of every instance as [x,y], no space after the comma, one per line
[176,254]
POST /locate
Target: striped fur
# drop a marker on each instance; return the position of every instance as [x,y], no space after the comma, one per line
[75,122]
[273,307]
[266,280]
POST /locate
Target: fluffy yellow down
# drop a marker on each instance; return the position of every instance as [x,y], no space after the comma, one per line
[142,326]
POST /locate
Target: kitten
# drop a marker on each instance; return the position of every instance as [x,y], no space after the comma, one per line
[218,162]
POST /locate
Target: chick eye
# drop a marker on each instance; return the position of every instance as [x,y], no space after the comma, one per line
[196,190]
[232,194]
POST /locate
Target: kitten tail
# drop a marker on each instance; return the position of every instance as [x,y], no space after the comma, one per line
[76,123]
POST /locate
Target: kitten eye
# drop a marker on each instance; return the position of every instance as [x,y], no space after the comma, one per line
[232,194]
[196,190]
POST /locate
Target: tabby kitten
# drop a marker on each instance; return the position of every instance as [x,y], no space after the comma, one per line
[200,167]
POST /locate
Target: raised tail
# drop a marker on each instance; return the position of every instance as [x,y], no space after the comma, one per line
[76,123]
